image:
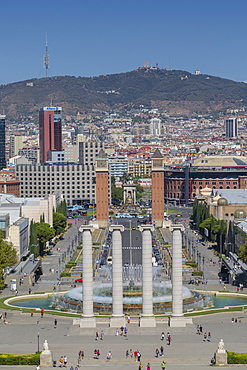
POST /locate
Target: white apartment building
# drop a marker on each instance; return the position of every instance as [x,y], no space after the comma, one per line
[74,182]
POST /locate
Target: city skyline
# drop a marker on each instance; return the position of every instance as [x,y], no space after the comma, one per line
[91,38]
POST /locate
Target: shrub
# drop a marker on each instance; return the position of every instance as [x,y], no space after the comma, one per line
[79,247]
[236,358]
[197,273]
[70,264]
[9,359]
[191,263]
[65,274]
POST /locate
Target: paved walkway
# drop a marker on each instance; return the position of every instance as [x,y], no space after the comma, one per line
[187,350]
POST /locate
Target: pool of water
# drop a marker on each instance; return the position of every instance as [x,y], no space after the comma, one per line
[218,302]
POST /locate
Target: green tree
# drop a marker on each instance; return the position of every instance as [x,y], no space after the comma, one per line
[62,207]
[59,222]
[8,257]
[33,241]
[243,252]
[44,233]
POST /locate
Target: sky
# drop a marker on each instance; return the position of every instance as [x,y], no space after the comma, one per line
[95,37]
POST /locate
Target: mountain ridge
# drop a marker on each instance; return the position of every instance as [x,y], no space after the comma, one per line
[176,91]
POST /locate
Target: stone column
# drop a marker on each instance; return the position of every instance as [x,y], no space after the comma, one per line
[177,319]
[117,320]
[147,318]
[88,319]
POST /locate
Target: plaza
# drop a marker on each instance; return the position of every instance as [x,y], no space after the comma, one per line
[187,349]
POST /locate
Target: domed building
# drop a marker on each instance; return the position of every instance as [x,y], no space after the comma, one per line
[240,214]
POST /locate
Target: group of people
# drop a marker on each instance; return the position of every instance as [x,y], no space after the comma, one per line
[101,336]
[123,331]
[206,337]
[63,361]
[168,337]
[159,352]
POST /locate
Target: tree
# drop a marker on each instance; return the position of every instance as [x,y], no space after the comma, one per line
[33,241]
[59,222]
[8,257]
[62,207]
[44,233]
[243,252]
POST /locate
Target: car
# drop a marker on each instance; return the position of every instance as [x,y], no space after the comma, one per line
[70,216]
[79,280]
[133,228]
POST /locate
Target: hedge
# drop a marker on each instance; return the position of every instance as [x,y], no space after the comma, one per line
[197,273]
[65,274]
[191,263]
[6,359]
[236,358]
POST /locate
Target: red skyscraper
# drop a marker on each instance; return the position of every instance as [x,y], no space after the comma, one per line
[50,131]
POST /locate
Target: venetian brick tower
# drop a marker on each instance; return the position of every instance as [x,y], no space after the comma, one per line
[158,188]
[102,189]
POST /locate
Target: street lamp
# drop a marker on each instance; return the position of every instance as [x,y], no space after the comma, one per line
[38,341]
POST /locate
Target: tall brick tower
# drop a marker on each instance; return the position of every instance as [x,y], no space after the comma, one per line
[158,188]
[102,189]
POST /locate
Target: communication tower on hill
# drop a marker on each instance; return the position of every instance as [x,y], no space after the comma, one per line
[46,58]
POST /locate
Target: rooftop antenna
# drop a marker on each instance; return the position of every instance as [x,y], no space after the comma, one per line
[46,58]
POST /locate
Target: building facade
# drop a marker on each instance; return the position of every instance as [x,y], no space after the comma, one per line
[75,182]
[16,143]
[50,131]
[231,125]
[2,142]
[89,150]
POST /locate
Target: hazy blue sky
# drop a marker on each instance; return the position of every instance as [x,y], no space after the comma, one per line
[93,37]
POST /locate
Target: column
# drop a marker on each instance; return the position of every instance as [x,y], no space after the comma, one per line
[117,319]
[177,319]
[147,318]
[88,319]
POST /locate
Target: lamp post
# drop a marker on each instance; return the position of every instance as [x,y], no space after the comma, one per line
[38,341]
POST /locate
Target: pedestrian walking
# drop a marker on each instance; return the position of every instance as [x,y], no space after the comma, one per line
[117,333]
[148,366]
[169,338]
[108,356]
[98,353]
[65,361]
[96,336]
[102,335]
[157,352]
[140,366]
[31,313]
[42,312]
[163,365]
[37,367]
[131,353]
[121,330]
[200,330]
[162,335]
[161,351]
[61,361]
[125,332]
[205,337]
[127,353]
[135,355]
[139,356]
[209,337]
[29,291]
[95,354]
[55,323]
[128,319]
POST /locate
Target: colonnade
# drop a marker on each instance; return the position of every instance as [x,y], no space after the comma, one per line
[147,318]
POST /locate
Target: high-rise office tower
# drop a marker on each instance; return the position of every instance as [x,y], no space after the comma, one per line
[2,142]
[231,125]
[16,143]
[155,127]
[50,131]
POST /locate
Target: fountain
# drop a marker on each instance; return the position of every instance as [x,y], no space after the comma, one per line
[132,293]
